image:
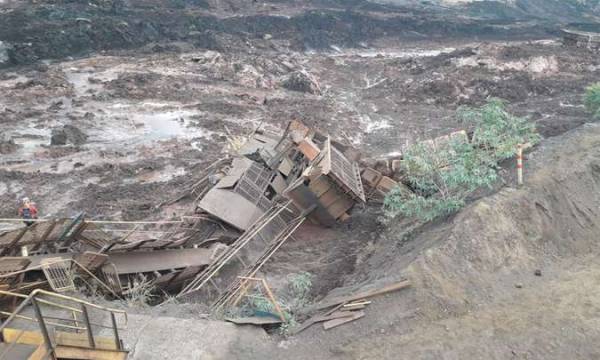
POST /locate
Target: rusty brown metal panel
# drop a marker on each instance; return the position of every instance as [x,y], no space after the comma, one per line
[146,261]
[340,206]
[90,260]
[320,185]
[304,199]
[230,207]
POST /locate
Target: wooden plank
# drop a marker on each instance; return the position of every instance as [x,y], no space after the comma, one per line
[255,320]
[39,353]
[11,335]
[316,319]
[337,322]
[359,296]
[81,340]
[68,352]
[158,260]
[62,338]
[360,302]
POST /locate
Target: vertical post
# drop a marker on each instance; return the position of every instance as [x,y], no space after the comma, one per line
[43,328]
[75,318]
[116,331]
[519,165]
[88,325]
[272,298]
[243,289]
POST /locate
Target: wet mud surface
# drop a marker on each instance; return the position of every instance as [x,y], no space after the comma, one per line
[154,99]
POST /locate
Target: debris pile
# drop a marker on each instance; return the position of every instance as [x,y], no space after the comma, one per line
[246,207]
[7,145]
[302,81]
[67,134]
[581,39]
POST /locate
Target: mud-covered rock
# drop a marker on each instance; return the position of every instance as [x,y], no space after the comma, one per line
[8,146]
[67,134]
[302,81]
[58,137]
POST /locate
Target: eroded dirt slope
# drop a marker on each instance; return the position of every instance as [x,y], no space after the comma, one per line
[475,292]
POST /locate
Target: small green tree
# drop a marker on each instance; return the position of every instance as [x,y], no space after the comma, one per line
[592,100]
[443,175]
[442,178]
[496,130]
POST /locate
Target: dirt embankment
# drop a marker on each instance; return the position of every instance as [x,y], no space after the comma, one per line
[501,240]
[513,275]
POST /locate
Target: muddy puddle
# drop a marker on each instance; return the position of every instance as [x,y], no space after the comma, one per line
[154,123]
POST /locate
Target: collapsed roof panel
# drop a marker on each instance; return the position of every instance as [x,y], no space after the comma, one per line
[262,143]
[158,260]
[231,207]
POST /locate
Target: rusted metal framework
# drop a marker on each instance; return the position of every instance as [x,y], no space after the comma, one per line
[245,208]
[51,341]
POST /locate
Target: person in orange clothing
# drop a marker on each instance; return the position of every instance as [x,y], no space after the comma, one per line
[28,211]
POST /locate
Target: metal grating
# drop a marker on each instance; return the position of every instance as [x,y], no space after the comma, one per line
[59,274]
[346,172]
[253,184]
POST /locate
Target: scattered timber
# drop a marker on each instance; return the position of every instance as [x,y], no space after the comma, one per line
[350,316]
[359,296]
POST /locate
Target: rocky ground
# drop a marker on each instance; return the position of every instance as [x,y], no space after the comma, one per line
[111,108]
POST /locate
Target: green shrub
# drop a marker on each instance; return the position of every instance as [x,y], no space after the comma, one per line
[496,130]
[592,100]
[442,176]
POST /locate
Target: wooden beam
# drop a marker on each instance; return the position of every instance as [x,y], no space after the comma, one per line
[330,324]
[39,353]
[359,296]
[81,340]
[70,352]
[318,318]
[22,336]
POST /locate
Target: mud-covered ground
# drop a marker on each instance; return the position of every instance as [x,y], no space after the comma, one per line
[155,89]
[151,120]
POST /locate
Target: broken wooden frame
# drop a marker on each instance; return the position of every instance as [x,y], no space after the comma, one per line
[247,282]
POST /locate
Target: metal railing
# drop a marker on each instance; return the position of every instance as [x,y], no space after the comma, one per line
[74,305]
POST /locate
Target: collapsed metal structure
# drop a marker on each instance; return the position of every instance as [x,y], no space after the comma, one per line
[246,207]
[581,39]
